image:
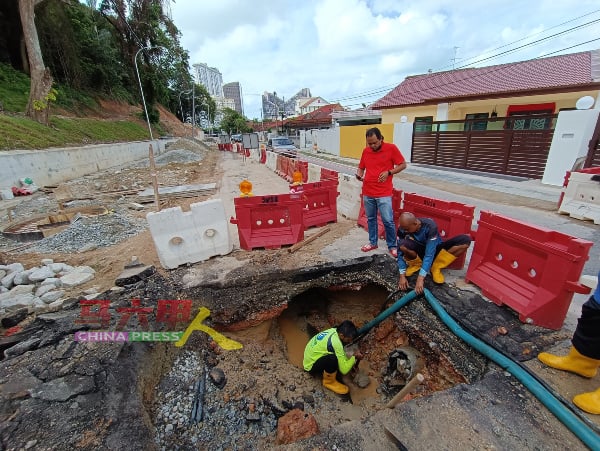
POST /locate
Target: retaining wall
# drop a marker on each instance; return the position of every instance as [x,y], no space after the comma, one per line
[52,166]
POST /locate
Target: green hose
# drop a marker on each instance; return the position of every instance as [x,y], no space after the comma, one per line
[582,431]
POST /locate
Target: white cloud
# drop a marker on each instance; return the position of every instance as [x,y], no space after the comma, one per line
[344,48]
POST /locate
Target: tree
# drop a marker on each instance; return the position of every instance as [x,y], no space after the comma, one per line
[234,122]
[41,79]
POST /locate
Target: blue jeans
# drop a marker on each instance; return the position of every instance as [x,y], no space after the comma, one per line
[384,206]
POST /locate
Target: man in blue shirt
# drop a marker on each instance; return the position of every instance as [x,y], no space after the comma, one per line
[420,248]
[584,356]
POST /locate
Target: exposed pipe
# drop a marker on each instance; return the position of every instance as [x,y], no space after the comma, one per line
[581,430]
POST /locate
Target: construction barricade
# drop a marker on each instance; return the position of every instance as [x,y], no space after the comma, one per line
[452,218]
[269,221]
[271,161]
[349,199]
[531,269]
[580,197]
[192,236]
[328,174]
[314,172]
[320,200]
[302,167]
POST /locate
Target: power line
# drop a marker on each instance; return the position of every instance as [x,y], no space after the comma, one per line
[384,89]
[524,38]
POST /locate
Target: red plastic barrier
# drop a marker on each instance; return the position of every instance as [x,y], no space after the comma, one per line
[269,221]
[531,269]
[263,155]
[452,218]
[292,165]
[302,166]
[328,174]
[285,162]
[320,203]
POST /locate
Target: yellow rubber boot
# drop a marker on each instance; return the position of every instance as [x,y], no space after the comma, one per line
[331,383]
[413,266]
[443,259]
[574,363]
[588,402]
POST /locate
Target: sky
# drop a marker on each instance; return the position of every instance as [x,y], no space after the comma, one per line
[355,51]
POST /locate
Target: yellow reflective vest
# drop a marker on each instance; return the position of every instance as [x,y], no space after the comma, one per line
[325,343]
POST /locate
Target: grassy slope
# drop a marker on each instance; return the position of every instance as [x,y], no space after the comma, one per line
[19,132]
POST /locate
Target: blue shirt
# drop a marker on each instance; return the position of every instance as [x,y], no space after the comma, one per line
[428,237]
[596,294]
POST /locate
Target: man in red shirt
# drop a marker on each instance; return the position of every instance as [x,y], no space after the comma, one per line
[381,161]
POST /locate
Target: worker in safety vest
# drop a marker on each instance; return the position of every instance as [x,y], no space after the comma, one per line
[584,356]
[325,354]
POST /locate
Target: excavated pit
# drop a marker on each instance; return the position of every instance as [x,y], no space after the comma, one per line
[245,392]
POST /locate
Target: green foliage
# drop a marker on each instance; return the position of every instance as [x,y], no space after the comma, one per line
[234,122]
[14,89]
[18,132]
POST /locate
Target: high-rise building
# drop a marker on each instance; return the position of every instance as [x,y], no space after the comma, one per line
[233,91]
[273,106]
[210,78]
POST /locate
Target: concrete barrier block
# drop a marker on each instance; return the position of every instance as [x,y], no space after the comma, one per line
[314,173]
[189,237]
[581,198]
[271,160]
[348,202]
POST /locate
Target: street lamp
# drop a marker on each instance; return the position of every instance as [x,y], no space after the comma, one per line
[140,82]
[150,150]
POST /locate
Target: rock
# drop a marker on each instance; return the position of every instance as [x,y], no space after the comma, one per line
[30,444]
[64,388]
[136,206]
[12,319]
[361,379]
[14,267]
[135,261]
[43,289]
[217,377]
[41,274]
[130,276]
[296,425]
[2,273]
[52,281]
[8,280]
[22,277]
[52,296]
[47,261]
[75,278]
[22,347]
[57,267]
[92,290]
[20,296]
[308,398]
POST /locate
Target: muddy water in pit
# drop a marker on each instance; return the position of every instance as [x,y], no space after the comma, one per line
[316,310]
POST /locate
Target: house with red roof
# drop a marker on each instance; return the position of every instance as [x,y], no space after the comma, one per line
[533,87]
[319,118]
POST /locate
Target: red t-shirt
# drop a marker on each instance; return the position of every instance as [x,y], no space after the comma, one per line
[375,163]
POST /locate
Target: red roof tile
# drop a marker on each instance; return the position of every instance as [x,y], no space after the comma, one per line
[543,73]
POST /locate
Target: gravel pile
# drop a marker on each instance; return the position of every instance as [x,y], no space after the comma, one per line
[90,233]
[172,156]
[235,424]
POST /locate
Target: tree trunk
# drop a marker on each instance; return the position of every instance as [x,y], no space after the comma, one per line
[41,79]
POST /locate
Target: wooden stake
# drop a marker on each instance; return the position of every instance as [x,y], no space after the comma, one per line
[297,246]
[154,178]
[418,379]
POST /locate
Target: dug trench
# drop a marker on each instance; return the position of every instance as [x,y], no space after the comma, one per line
[154,395]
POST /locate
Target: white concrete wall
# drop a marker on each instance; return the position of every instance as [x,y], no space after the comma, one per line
[52,166]
[328,140]
[403,134]
[572,135]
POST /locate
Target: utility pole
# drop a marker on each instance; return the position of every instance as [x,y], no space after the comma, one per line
[193,104]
